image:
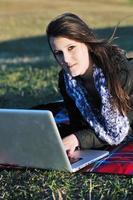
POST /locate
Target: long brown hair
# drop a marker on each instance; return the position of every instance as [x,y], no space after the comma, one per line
[109,57]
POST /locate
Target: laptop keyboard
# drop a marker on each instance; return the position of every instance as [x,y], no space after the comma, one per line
[74,160]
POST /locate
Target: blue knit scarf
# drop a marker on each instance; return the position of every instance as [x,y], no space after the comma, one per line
[109,125]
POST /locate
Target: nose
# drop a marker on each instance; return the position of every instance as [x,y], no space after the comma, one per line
[67,58]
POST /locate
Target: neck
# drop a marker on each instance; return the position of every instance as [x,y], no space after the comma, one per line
[88,75]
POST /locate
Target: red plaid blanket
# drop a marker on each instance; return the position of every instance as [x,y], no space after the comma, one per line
[119,161]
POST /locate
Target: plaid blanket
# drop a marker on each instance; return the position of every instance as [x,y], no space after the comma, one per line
[119,161]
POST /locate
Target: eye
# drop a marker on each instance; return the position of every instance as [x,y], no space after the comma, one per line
[71,48]
[57,53]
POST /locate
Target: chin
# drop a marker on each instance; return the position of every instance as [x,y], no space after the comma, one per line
[74,74]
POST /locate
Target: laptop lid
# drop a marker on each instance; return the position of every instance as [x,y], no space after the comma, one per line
[30,138]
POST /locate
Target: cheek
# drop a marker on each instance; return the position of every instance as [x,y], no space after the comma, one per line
[84,52]
[85,57]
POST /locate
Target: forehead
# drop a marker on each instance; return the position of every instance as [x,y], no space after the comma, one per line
[61,42]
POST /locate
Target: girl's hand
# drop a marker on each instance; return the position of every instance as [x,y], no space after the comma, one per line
[70,142]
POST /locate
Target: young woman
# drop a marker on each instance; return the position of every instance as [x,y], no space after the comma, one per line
[95,81]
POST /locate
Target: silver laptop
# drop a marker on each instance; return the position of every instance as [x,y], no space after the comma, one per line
[30,138]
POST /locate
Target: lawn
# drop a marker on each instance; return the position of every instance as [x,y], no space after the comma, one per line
[28,77]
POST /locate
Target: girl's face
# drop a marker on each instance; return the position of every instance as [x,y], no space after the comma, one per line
[73,56]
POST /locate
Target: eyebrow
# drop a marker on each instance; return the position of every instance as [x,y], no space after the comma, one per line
[71,44]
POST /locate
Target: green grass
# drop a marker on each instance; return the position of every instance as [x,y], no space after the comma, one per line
[42,184]
[28,77]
